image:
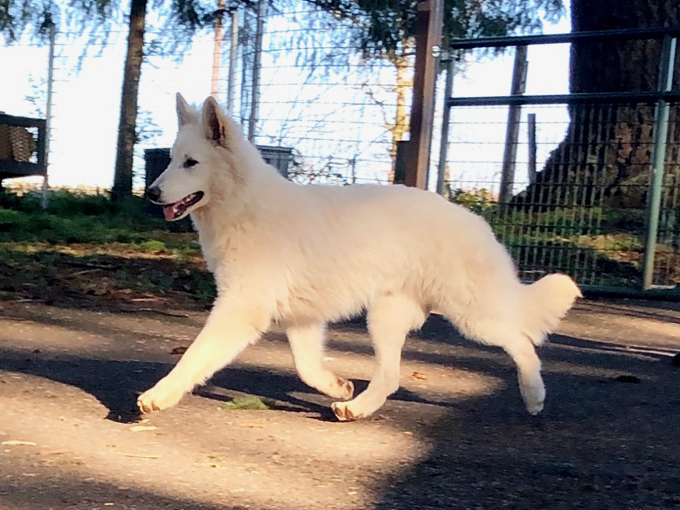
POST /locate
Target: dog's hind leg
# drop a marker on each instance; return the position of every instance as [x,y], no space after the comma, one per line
[390,318]
[307,345]
[229,329]
[531,386]
[506,333]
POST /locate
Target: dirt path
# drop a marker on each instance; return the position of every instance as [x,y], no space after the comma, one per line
[455,436]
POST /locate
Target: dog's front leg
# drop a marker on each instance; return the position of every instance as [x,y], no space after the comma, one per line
[230,328]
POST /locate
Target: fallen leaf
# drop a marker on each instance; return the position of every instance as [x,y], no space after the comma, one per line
[250,402]
[140,428]
[419,375]
[55,452]
[13,442]
[138,455]
[179,350]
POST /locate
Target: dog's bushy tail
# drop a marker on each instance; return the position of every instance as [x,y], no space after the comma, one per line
[545,302]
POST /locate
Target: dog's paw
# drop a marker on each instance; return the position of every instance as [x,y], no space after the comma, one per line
[533,394]
[534,406]
[160,397]
[344,390]
[343,412]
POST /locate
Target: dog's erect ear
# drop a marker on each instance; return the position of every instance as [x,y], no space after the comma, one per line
[185,113]
[214,122]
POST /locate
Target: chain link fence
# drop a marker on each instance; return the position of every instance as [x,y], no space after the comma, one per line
[586,184]
[580,188]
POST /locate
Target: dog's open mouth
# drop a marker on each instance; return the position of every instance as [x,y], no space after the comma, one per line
[177,209]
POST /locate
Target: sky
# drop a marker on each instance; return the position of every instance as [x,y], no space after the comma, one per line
[330,119]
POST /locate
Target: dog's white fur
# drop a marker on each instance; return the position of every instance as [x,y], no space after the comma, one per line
[306,255]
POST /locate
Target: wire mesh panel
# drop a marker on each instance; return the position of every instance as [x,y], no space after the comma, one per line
[341,112]
[667,256]
[583,211]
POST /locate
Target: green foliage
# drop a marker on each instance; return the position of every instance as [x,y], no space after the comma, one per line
[478,200]
[96,17]
[9,218]
[379,26]
[73,217]
[597,245]
[62,202]
[153,246]
[81,246]
[203,288]
[382,26]
[252,403]
[90,217]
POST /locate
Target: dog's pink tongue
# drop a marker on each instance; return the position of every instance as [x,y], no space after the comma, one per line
[169,212]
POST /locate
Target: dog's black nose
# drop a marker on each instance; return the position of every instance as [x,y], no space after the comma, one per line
[153,194]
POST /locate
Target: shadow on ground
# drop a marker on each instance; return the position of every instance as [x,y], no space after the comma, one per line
[601,443]
[604,440]
[61,492]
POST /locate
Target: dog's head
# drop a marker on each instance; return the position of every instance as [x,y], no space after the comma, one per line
[201,150]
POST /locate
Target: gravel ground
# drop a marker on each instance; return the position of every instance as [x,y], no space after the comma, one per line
[455,436]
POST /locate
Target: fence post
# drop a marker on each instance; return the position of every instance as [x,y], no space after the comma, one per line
[446,120]
[45,150]
[255,93]
[428,38]
[661,115]
[400,163]
[217,49]
[233,55]
[519,81]
[531,170]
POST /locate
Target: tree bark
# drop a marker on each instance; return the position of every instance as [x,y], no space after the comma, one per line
[122,185]
[604,159]
[402,89]
[399,127]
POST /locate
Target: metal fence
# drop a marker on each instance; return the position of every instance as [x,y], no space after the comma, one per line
[316,94]
[321,97]
[539,168]
[604,205]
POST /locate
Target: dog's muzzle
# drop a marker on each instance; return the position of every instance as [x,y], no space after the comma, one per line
[153,194]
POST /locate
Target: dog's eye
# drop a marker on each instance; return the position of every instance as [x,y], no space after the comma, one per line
[190,162]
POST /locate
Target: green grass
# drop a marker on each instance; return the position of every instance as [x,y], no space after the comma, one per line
[74,217]
[597,245]
[252,403]
[83,247]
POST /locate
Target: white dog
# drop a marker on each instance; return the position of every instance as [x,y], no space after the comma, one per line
[307,255]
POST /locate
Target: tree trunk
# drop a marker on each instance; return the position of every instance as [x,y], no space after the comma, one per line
[604,159]
[122,184]
[217,49]
[402,88]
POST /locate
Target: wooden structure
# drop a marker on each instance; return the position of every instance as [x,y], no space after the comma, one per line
[519,83]
[20,154]
[428,41]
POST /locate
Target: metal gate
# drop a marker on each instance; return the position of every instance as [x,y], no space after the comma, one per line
[587,211]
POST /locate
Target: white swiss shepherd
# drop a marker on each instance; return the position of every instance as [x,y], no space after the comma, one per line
[307,255]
